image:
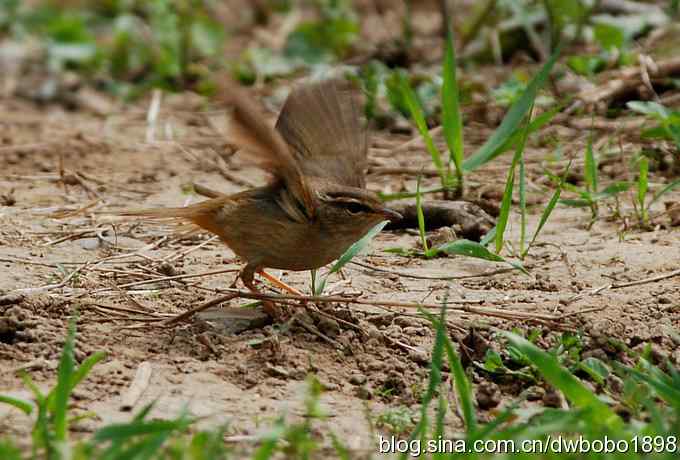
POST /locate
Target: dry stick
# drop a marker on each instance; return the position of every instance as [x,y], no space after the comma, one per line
[173,257]
[169,278]
[125,188]
[204,306]
[629,77]
[612,286]
[67,237]
[484,311]
[416,141]
[49,287]
[441,278]
[125,310]
[318,333]
[137,387]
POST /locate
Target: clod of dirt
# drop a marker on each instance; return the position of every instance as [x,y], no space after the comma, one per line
[11,299]
[473,348]
[8,199]
[234,320]
[89,244]
[440,236]
[673,210]
[553,398]
[328,326]
[357,379]
[468,219]
[8,330]
[488,395]
[364,393]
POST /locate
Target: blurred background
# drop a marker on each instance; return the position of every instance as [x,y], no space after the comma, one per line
[58,51]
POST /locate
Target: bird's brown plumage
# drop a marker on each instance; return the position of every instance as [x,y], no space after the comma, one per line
[316,206]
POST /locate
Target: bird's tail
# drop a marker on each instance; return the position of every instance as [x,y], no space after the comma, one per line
[201,214]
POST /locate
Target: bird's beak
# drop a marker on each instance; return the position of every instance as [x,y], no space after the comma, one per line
[391,215]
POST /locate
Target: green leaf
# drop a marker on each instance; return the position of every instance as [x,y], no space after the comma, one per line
[452,120]
[538,122]
[509,187]
[352,251]
[419,119]
[462,384]
[85,368]
[117,432]
[590,166]
[493,362]
[504,214]
[611,190]
[586,65]
[669,187]
[650,108]
[642,185]
[575,203]
[662,386]
[522,205]
[473,249]
[559,377]
[421,222]
[62,391]
[512,120]
[609,36]
[435,376]
[595,368]
[489,237]
[549,208]
[24,406]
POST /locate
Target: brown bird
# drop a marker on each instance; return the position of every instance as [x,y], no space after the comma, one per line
[316,206]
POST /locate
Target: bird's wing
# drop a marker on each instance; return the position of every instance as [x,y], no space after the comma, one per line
[249,131]
[320,122]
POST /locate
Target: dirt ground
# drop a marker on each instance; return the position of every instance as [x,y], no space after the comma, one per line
[247,379]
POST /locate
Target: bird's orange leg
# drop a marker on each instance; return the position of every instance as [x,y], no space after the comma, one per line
[247,275]
[278,283]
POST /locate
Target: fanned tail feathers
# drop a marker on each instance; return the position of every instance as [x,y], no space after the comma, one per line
[200,214]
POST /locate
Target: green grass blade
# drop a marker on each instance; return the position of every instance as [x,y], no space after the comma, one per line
[512,120]
[8,451]
[559,377]
[452,120]
[352,251]
[419,119]
[421,220]
[590,166]
[435,377]
[548,209]
[642,187]
[506,202]
[439,425]
[62,391]
[85,368]
[538,122]
[120,432]
[489,237]
[666,391]
[504,214]
[24,406]
[611,190]
[463,389]
[340,449]
[473,249]
[522,205]
[672,186]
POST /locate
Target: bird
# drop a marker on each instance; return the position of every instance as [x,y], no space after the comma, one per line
[316,204]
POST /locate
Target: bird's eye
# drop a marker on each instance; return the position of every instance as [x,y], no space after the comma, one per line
[354,208]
